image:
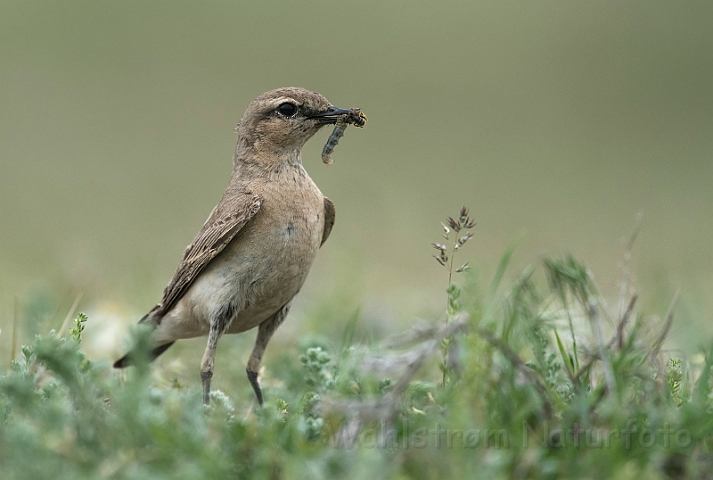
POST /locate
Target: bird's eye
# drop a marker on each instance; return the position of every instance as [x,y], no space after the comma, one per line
[287,109]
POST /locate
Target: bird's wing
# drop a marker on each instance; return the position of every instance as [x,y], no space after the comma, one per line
[217,232]
[328,219]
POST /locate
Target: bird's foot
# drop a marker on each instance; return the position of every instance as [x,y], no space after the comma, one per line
[205,379]
[252,376]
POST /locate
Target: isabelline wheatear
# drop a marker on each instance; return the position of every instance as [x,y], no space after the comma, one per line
[253,253]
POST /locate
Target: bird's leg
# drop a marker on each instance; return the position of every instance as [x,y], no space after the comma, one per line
[218,325]
[208,361]
[264,333]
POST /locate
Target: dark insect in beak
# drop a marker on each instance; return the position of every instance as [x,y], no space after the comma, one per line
[354,117]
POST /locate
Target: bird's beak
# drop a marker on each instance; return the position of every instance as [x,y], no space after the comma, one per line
[330,115]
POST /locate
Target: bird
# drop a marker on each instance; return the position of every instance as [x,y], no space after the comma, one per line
[245,266]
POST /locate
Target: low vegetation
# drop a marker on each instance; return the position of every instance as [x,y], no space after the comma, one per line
[537,379]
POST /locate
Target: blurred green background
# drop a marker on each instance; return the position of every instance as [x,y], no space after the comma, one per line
[556,122]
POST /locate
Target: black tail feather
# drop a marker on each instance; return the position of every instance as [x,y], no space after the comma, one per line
[125,361]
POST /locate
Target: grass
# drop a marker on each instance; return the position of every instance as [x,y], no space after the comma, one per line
[537,379]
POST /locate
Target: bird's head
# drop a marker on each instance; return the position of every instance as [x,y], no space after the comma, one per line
[281,121]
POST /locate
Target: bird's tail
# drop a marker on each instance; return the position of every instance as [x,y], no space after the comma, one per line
[126,360]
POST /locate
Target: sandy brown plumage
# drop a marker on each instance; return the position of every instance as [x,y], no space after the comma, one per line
[217,232]
[253,253]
